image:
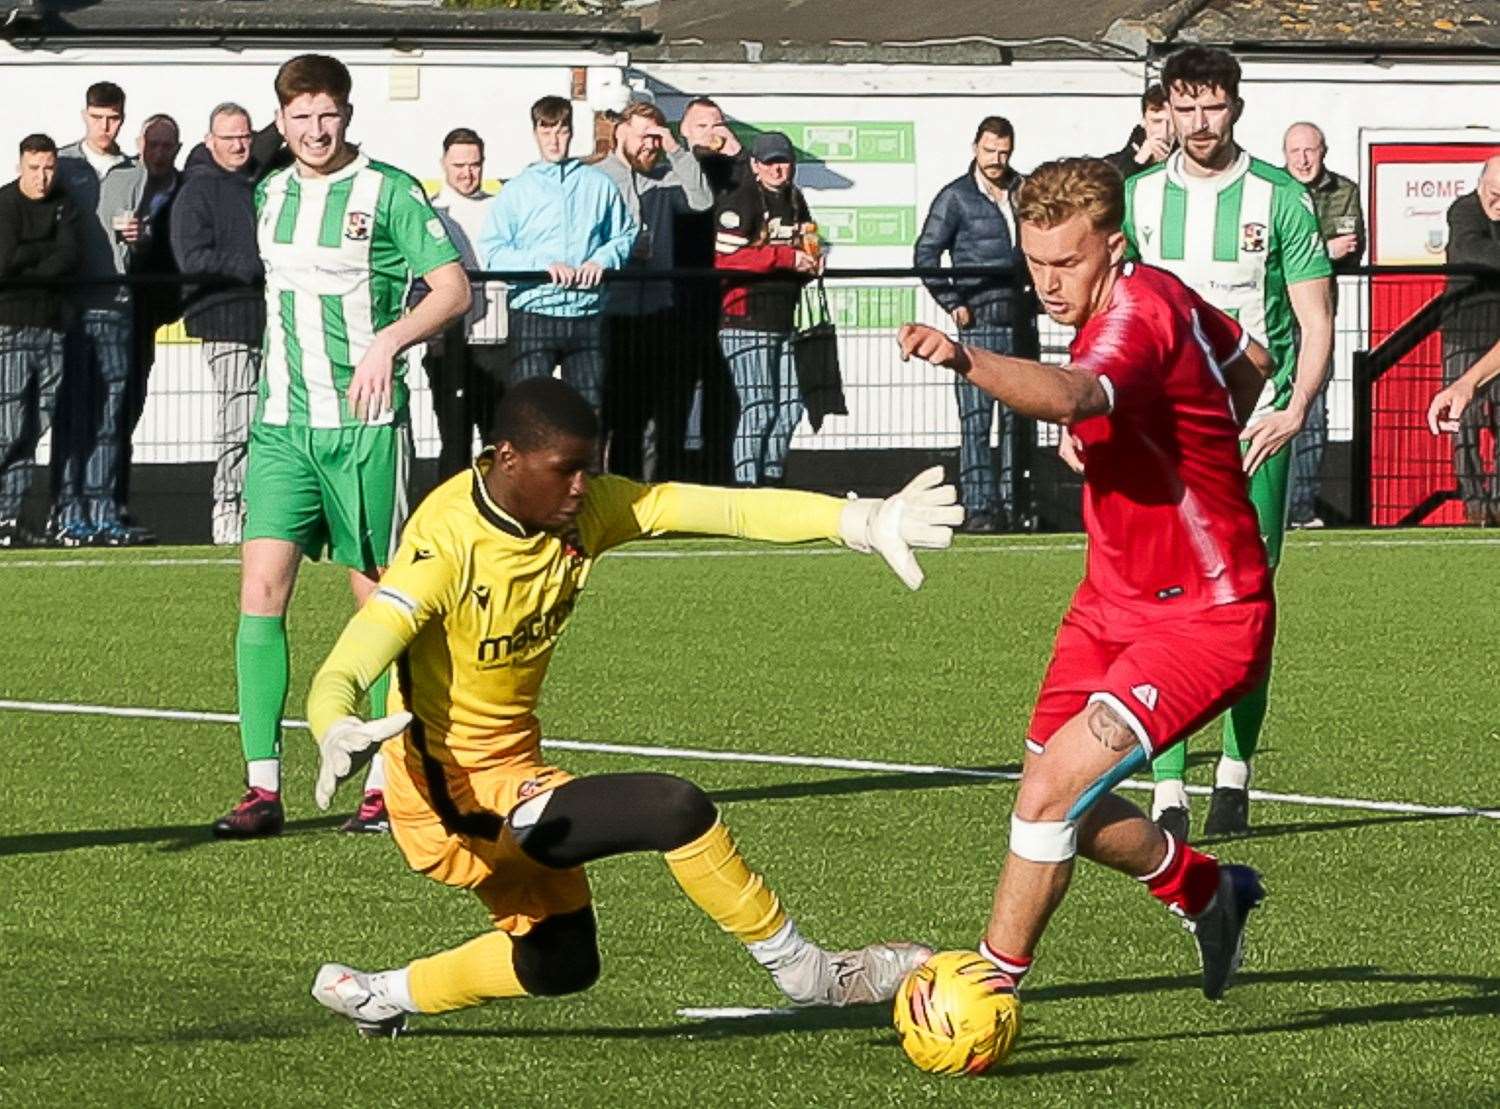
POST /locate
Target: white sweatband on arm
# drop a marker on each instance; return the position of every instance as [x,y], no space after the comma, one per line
[1043,841]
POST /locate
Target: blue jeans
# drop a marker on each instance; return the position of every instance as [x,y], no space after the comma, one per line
[31,365]
[91,417]
[981,488]
[763,365]
[1307,460]
[537,343]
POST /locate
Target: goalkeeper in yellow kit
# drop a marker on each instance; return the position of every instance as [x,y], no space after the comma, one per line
[488,572]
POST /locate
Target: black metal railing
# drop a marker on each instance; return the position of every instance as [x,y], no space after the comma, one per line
[664,378]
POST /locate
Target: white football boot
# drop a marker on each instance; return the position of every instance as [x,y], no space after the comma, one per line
[864,977]
[350,993]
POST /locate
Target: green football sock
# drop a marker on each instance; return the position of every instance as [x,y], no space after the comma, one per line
[1171,764]
[1268,493]
[263,673]
[1242,723]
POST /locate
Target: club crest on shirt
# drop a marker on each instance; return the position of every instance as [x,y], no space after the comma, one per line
[1253,238]
[572,545]
[357,226]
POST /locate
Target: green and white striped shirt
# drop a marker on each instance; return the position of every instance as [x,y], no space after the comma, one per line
[339,253]
[1239,239]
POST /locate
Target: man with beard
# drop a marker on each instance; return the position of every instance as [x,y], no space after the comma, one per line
[1243,235]
[973,221]
[651,373]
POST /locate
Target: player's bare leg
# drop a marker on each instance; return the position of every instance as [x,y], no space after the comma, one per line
[1057,815]
[268,573]
[371,816]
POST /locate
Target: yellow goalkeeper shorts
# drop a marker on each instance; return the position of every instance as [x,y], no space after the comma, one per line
[449,824]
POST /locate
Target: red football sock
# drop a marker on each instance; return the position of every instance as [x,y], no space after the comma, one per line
[1014,965]
[1186,880]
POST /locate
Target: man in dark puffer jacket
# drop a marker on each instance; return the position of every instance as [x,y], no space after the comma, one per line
[213,234]
[972,221]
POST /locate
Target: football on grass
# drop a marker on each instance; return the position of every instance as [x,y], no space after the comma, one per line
[957,1013]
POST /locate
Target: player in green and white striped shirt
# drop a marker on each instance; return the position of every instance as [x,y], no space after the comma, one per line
[341,237]
[1243,234]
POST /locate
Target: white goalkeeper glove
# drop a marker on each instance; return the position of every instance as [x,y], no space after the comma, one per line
[348,746]
[923,514]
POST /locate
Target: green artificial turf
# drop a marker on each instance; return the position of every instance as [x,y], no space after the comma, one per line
[142,963]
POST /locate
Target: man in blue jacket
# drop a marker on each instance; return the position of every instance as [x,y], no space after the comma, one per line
[569,219]
[972,221]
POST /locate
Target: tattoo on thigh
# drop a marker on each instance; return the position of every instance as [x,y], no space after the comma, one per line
[1109,729]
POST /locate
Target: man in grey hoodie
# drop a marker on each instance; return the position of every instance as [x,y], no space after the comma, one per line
[650,372]
[107,187]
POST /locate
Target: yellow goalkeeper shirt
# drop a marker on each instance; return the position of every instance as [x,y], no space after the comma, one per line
[475,602]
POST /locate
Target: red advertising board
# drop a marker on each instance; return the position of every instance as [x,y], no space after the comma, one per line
[1411,186]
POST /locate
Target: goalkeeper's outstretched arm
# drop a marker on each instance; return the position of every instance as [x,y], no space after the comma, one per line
[923,514]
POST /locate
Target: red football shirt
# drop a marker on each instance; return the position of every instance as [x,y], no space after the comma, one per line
[1166,505]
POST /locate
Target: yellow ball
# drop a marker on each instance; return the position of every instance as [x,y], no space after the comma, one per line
[957,1013]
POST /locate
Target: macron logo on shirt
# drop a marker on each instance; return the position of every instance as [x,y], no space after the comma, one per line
[1146,695]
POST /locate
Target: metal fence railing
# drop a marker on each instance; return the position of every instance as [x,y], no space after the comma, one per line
[670,388]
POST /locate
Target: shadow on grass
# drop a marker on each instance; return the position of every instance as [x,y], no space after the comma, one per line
[170,837]
[1481,999]
[1295,828]
[867,783]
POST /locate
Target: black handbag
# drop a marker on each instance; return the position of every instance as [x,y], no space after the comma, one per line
[816,349]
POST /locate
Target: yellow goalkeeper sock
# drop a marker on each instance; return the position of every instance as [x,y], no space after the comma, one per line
[481,970]
[713,873]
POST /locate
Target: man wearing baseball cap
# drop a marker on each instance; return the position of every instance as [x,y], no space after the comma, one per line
[761,227]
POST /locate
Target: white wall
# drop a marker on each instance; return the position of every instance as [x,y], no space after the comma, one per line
[487,89]
[1058,108]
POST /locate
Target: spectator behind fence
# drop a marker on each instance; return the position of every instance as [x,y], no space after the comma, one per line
[212,234]
[652,372]
[1471,324]
[107,186]
[725,163]
[973,222]
[1341,221]
[761,229]
[39,238]
[1270,271]
[1151,140]
[156,306]
[466,364]
[567,218]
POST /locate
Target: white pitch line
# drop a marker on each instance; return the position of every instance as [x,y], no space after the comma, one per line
[1020,546]
[818,762]
[735,1012]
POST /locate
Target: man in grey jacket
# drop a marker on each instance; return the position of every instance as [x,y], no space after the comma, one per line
[213,233]
[651,373]
[107,186]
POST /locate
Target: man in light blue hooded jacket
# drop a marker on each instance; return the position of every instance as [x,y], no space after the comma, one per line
[569,219]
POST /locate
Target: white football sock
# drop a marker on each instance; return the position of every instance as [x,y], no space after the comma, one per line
[1168,795]
[782,948]
[375,776]
[395,985]
[1232,774]
[264,774]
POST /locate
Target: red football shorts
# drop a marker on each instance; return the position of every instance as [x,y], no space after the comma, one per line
[1165,675]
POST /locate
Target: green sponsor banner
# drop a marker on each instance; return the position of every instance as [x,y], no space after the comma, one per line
[860,141]
[870,307]
[868,225]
